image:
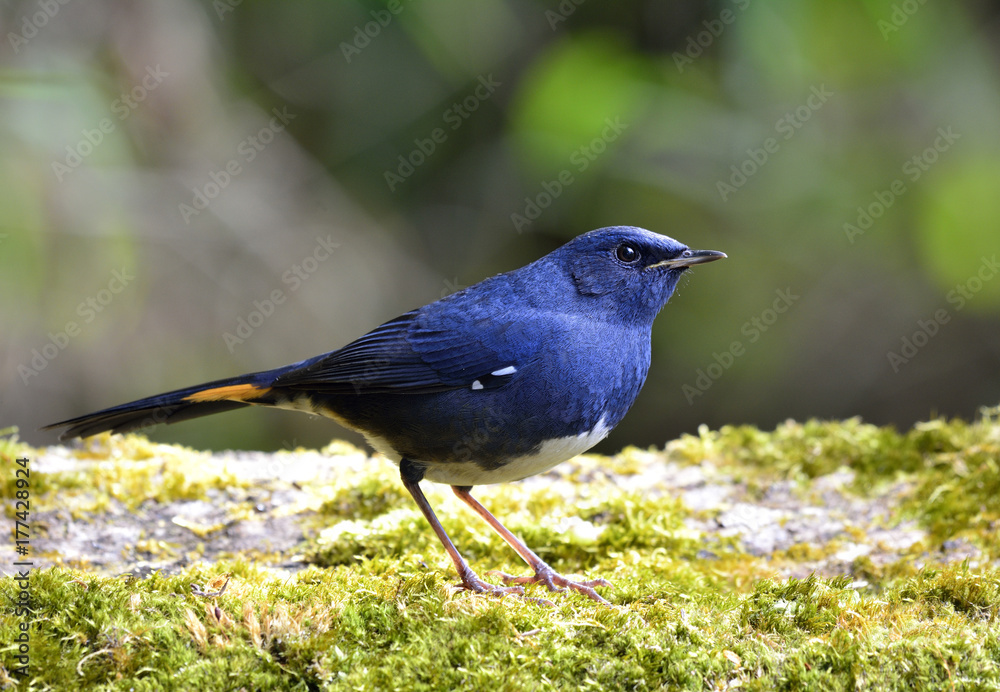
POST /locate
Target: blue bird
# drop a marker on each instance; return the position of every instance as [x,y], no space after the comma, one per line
[497,382]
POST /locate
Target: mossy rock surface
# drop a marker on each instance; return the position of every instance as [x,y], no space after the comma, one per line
[820,555]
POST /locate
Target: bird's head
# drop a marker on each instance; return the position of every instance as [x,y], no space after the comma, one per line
[626,271]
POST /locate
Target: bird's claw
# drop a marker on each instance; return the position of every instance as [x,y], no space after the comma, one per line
[557,582]
[477,585]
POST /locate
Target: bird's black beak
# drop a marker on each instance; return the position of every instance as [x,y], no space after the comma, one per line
[689,258]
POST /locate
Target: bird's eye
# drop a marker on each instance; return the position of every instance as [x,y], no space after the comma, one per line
[627,253]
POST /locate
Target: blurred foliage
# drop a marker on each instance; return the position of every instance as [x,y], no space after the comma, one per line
[802,138]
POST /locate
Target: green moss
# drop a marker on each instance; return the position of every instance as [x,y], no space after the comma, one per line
[951,468]
[378,609]
[376,629]
[154,472]
[366,500]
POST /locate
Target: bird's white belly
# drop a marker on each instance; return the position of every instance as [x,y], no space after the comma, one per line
[551,453]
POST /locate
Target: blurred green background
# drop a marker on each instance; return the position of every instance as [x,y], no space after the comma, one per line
[192,190]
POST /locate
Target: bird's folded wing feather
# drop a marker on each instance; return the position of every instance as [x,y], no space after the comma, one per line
[419,352]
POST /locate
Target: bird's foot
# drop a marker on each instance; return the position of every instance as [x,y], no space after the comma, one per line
[557,582]
[473,583]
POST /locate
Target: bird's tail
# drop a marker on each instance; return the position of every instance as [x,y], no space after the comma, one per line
[179,405]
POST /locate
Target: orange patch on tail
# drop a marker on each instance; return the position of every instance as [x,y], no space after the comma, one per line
[234,392]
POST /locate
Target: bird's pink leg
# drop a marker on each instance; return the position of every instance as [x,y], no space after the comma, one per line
[543,573]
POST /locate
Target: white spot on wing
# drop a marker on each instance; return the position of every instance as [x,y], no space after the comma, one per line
[477,385]
[509,370]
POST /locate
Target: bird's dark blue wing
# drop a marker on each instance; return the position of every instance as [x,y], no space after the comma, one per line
[426,350]
[381,360]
